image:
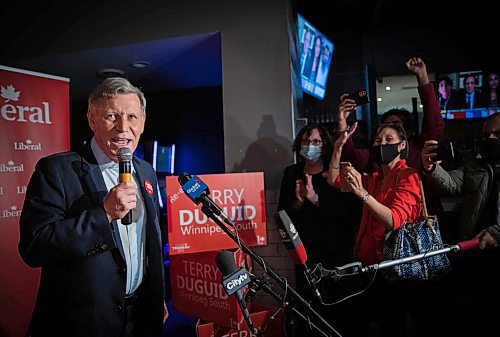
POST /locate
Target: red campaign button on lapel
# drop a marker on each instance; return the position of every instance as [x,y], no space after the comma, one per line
[148,187]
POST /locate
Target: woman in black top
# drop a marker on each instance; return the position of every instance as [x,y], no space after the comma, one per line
[325,218]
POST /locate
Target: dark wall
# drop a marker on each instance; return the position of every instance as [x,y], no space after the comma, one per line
[192,119]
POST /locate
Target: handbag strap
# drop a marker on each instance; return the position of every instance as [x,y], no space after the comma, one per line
[430,219]
[424,204]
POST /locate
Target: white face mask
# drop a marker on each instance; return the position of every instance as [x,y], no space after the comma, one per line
[311,152]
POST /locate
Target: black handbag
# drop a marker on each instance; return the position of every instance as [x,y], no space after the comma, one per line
[415,238]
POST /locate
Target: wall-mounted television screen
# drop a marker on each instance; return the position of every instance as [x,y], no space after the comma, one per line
[467,94]
[316,53]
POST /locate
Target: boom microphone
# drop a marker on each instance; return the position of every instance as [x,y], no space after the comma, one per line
[233,280]
[290,238]
[124,156]
[198,192]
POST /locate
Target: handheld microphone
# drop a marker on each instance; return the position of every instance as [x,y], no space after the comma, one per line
[233,280]
[290,238]
[125,170]
[198,191]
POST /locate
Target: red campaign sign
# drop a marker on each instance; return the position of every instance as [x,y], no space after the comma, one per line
[34,122]
[268,321]
[197,291]
[239,195]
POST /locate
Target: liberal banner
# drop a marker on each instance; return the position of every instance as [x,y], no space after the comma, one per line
[239,195]
[34,122]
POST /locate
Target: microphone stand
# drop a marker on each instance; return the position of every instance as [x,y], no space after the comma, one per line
[279,280]
[356,267]
[264,285]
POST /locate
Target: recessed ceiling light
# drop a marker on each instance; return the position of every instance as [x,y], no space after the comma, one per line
[379,99]
[140,64]
[387,88]
[110,72]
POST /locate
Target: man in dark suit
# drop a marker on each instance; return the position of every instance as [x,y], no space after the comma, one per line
[469,97]
[99,277]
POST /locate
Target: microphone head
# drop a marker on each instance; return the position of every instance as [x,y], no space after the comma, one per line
[290,238]
[225,262]
[124,154]
[183,178]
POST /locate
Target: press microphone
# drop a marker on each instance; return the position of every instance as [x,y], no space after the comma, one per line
[124,156]
[233,280]
[198,192]
[290,238]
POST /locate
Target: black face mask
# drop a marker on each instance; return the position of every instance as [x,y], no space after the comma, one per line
[490,148]
[384,154]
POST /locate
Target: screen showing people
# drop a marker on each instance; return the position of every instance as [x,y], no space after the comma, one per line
[469,94]
[315,58]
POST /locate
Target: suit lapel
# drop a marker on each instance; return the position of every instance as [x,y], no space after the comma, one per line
[147,190]
[92,177]
[149,195]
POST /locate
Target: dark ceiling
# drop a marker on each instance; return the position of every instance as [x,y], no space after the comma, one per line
[448,36]
[39,42]
[192,61]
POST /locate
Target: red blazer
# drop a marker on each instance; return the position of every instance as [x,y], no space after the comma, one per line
[402,196]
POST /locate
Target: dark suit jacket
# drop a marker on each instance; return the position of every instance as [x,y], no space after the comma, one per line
[65,231]
[463,104]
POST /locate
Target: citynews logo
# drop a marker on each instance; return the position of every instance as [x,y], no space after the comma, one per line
[19,113]
[236,281]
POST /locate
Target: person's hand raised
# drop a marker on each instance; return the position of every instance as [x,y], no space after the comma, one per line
[346,106]
[310,194]
[353,178]
[299,193]
[417,67]
[428,155]
[344,136]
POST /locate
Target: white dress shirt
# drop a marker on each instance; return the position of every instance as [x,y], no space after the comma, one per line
[132,236]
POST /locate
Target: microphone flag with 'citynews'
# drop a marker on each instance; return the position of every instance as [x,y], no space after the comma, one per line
[124,156]
[232,279]
[290,238]
[197,291]
[193,187]
[235,280]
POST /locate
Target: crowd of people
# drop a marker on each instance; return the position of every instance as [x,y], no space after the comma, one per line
[101,277]
[385,179]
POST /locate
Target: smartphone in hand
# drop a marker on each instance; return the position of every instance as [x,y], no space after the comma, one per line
[360,97]
[344,185]
[445,151]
